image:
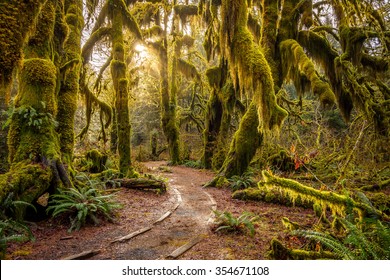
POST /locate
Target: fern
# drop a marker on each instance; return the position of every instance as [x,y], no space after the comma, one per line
[12,230]
[194,164]
[227,222]
[81,205]
[241,182]
[372,244]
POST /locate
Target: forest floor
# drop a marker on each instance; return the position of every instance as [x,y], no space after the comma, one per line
[190,221]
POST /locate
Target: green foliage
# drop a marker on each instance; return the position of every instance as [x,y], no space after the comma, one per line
[194,164]
[31,116]
[229,223]
[12,230]
[82,204]
[243,181]
[370,241]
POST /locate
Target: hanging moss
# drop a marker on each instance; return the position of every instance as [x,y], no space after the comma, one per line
[300,69]
[188,69]
[322,52]
[184,11]
[214,76]
[248,65]
[128,19]
[145,12]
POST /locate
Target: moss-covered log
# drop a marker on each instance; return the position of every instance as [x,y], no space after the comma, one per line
[337,203]
[270,196]
[142,184]
[281,252]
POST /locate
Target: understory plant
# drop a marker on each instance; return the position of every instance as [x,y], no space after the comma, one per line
[82,204]
[227,222]
[243,181]
[367,241]
[11,229]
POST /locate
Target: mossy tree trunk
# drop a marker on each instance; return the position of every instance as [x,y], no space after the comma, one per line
[245,142]
[120,81]
[212,127]
[218,116]
[34,149]
[16,21]
[70,74]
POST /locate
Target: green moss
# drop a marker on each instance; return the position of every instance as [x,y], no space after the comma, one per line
[97,159]
[281,252]
[39,45]
[28,181]
[37,90]
[248,65]
[245,142]
[300,69]
[214,76]
[337,203]
[270,196]
[16,21]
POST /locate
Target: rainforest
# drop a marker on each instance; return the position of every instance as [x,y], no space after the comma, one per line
[195,129]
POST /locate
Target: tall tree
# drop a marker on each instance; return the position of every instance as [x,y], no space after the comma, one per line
[70,76]
[117,14]
[17,18]
[34,148]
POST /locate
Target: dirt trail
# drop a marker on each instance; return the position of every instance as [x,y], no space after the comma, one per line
[187,222]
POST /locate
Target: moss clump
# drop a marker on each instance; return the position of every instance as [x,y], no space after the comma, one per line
[98,161]
[28,181]
[184,11]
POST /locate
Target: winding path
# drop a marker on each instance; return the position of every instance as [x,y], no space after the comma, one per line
[179,228]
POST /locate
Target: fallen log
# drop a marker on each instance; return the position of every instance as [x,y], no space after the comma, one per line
[181,250]
[142,183]
[83,255]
